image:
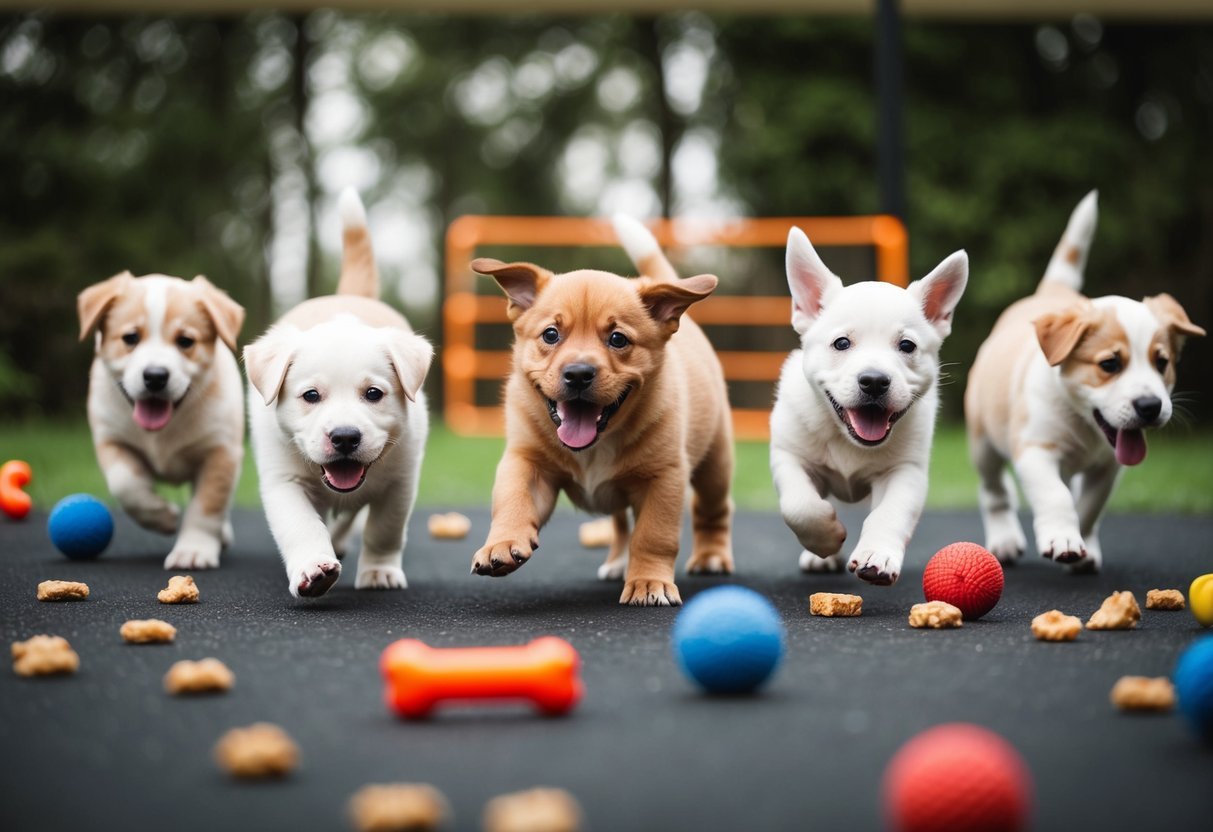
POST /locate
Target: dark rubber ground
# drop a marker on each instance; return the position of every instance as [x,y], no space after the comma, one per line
[107,749]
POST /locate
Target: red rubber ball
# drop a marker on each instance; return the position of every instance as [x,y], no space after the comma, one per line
[966,576]
[957,778]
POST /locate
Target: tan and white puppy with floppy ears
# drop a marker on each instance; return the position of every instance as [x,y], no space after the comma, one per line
[165,405]
[855,409]
[339,424]
[619,400]
[1064,389]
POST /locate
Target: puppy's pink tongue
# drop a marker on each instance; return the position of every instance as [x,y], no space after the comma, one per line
[578,423]
[153,414]
[871,424]
[1130,446]
[344,475]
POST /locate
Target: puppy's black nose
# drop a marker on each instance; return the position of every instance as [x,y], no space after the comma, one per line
[1147,407]
[578,376]
[873,383]
[345,440]
[155,379]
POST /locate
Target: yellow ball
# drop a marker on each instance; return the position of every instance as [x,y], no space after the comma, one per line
[1200,599]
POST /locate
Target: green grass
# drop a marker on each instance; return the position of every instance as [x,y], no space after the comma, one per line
[458,471]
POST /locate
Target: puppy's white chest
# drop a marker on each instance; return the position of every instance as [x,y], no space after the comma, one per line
[594,486]
[849,489]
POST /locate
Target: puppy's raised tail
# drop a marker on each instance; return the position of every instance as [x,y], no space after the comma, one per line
[1070,257]
[358,273]
[642,248]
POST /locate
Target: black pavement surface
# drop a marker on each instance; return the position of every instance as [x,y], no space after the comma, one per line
[108,749]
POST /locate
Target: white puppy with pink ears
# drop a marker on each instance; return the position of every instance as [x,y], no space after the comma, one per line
[855,409]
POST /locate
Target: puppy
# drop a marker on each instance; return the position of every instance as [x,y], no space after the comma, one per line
[339,423]
[618,400]
[164,404]
[1064,389]
[854,413]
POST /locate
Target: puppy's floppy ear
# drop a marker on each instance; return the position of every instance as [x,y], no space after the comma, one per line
[92,303]
[521,282]
[810,282]
[666,301]
[225,313]
[940,291]
[1059,332]
[410,355]
[267,359]
[1172,315]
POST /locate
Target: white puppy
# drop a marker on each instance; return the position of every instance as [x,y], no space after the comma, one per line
[339,423]
[1064,388]
[855,409]
[164,404]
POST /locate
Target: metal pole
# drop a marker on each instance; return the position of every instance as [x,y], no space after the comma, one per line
[890,147]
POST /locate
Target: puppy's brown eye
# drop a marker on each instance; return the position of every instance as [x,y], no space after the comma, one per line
[373,394]
[184,342]
[550,335]
[1162,363]
[311,396]
[1110,365]
[617,340]
[130,338]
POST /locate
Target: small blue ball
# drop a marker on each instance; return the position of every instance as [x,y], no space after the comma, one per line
[729,639]
[1194,686]
[80,526]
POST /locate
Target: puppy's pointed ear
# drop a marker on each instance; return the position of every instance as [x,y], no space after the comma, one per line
[1173,317]
[521,282]
[267,360]
[940,291]
[410,355]
[225,313]
[1059,332]
[810,282]
[93,302]
[666,301]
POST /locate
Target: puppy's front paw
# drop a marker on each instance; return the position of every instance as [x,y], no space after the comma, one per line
[818,530]
[710,563]
[810,562]
[380,577]
[879,568]
[650,592]
[1061,546]
[1005,539]
[315,579]
[195,553]
[502,557]
[613,570]
[159,517]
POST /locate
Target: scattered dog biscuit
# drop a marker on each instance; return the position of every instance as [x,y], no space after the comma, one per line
[44,656]
[62,591]
[535,810]
[181,589]
[1143,693]
[936,615]
[204,676]
[1165,599]
[835,604]
[1119,611]
[398,807]
[148,631]
[261,750]
[1055,625]
[597,534]
[449,526]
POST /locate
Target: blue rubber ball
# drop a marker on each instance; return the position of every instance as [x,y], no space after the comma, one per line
[80,526]
[729,639]
[1194,686]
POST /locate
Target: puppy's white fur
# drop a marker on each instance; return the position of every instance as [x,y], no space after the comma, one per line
[341,363]
[817,454]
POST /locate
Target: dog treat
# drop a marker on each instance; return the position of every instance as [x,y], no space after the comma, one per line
[835,604]
[1055,625]
[535,810]
[62,591]
[398,807]
[1142,693]
[1165,599]
[148,631]
[449,526]
[43,656]
[1119,611]
[597,534]
[937,615]
[258,751]
[204,676]
[181,589]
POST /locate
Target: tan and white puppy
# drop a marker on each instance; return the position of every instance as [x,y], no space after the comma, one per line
[855,409]
[339,423]
[1064,389]
[165,405]
[619,400]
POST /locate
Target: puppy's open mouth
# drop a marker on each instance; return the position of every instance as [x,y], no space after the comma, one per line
[1128,443]
[578,422]
[868,424]
[344,475]
[154,412]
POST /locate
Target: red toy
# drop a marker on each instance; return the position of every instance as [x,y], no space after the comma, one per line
[419,677]
[957,778]
[13,501]
[966,576]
